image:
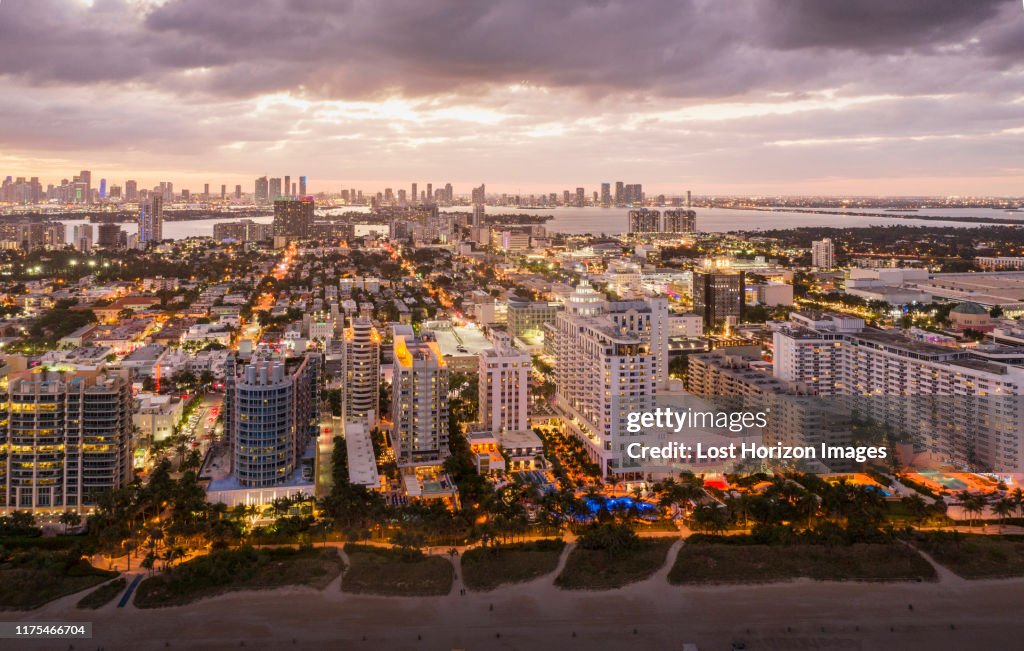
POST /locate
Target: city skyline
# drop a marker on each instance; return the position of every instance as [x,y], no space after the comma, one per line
[903,98]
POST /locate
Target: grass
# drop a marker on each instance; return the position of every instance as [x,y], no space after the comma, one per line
[709,563]
[239,569]
[102,595]
[486,569]
[976,556]
[31,578]
[384,571]
[598,569]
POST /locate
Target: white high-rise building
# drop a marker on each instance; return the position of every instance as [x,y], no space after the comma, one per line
[362,370]
[419,400]
[962,406]
[610,360]
[823,254]
[504,383]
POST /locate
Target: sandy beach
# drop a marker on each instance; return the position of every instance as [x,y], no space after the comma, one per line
[950,614]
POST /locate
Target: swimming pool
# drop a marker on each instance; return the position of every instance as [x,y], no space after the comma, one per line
[594,504]
[942,478]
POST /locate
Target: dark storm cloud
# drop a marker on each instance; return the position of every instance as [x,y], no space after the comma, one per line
[675,48]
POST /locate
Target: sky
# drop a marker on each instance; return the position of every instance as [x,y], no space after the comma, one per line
[745,97]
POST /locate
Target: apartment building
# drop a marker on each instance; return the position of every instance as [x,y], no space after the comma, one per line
[66,439]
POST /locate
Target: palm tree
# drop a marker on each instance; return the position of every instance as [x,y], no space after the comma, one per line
[70,518]
[808,505]
[917,507]
[1003,507]
[1018,501]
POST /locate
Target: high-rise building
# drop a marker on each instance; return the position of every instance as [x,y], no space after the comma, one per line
[823,254]
[581,199]
[271,414]
[718,296]
[108,235]
[262,191]
[414,198]
[361,354]
[83,237]
[302,186]
[503,386]
[679,221]
[151,220]
[293,217]
[479,195]
[238,192]
[449,193]
[959,405]
[275,189]
[206,192]
[131,191]
[66,439]
[244,230]
[619,193]
[288,186]
[103,188]
[85,178]
[644,221]
[610,360]
[606,194]
[419,400]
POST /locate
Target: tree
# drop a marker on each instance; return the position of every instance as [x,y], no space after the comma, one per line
[70,518]
[1003,507]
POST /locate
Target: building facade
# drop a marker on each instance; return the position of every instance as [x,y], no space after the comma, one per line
[271,412]
[67,439]
[504,386]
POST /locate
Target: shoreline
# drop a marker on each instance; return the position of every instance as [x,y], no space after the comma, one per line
[799,613]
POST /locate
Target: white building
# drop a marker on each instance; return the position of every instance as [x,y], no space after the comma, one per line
[419,404]
[361,355]
[608,363]
[958,405]
[823,254]
[504,383]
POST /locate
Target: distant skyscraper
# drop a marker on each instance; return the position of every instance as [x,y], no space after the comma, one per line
[206,192]
[151,220]
[262,192]
[644,221]
[718,295]
[109,235]
[302,186]
[288,186]
[103,188]
[680,221]
[606,194]
[85,177]
[479,195]
[275,188]
[823,254]
[430,192]
[238,192]
[223,192]
[619,189]
[131,191]
[581,199]
[293,217]
[414,198]
[83,237]
[449,193]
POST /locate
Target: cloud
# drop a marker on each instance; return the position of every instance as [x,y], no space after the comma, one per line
[529,91]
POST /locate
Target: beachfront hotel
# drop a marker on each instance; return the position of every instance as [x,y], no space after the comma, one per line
[611,357]
[960,405]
